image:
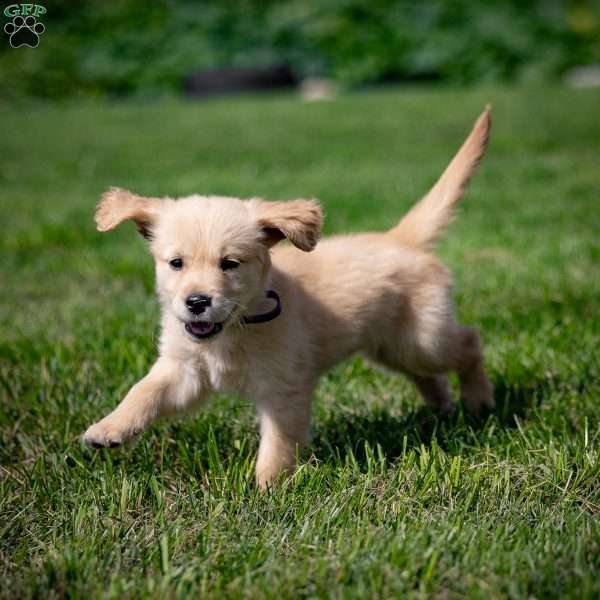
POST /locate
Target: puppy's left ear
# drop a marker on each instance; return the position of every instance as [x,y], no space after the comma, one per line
[299,221]
[118,205]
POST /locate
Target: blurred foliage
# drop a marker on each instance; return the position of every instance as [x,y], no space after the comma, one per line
[132,46]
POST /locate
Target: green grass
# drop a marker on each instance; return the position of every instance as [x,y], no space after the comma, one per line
[389,501]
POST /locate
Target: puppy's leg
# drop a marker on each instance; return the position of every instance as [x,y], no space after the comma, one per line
[166,390]
[284,426]
[475,388]
[457,349]
[435,391]
[430,344]
[433,387]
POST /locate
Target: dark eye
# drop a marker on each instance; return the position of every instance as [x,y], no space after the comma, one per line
[176,263]
[229,263]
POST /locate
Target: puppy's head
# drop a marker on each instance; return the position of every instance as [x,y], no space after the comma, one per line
[211,253]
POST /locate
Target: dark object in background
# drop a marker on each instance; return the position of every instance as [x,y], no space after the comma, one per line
[135,47]
[227,80]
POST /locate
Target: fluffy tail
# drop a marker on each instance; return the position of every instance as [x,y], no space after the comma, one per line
[425,221]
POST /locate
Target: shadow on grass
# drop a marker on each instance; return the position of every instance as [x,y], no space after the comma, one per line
[340,434]
[336,435]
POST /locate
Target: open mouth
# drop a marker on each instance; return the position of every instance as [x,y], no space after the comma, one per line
[203,329]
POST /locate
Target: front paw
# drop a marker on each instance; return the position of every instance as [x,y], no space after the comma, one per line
[108,433]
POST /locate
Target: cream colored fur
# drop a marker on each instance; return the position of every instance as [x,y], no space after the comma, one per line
[383,294]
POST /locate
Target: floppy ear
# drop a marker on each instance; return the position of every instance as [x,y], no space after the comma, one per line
[118,205]
[299,221]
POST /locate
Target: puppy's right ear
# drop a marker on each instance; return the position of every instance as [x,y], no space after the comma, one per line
[118,205]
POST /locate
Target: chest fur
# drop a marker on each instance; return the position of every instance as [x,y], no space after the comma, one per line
[223,370]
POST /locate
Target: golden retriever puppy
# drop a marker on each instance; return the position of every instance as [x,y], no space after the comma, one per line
[242,313]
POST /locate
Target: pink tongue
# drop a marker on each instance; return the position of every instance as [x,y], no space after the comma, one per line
[202,328]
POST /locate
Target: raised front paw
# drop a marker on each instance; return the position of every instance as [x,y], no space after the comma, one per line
[108,433]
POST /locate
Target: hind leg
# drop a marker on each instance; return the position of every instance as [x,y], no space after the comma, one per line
[458,349]
[433,384]
[475,388]
[426,356]
[435,391]
[426,343]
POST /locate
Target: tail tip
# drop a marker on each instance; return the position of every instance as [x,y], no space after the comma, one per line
[484,123]
[486,116]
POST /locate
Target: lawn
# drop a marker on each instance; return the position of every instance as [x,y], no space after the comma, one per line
[389,500]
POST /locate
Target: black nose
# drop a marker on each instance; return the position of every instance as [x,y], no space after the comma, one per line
[197,303]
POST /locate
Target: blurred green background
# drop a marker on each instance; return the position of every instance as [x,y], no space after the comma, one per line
[128,47]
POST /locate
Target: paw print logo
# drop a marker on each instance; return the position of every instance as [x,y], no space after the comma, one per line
[24,31]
